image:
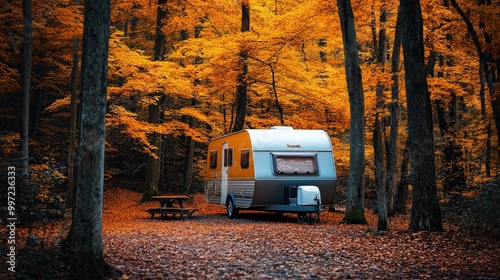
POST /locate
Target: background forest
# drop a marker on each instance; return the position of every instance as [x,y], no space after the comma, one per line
[177,68]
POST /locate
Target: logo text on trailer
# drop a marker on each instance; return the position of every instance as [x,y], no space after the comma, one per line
[288,145]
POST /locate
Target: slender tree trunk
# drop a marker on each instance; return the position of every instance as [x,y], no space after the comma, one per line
[86,229]
[275,92]
[355,193]
[426,212]
[487,161]
[378,135]
[153,170]
[394,122]
[402,192]
[159,48]
[154,161]
[188,159]
[241,90]
[26,86]
[494,97]
[378,149]
[36,110]
[70,181]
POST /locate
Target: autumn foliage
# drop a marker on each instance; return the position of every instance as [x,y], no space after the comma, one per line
[291,61]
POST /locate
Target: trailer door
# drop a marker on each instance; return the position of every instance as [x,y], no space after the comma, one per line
[225,160]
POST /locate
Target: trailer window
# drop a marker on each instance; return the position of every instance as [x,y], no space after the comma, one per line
[213,159]
[228,157]
[245,159]
[295,164]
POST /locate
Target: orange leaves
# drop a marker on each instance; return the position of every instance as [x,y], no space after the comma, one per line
[264,246]
[141,130]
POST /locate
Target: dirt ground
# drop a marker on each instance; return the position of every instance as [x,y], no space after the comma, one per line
[265,246]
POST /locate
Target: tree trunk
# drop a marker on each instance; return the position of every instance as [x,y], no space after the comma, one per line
[188,159]
[454,176]
[26,87]
[70,181]
[378,135]
[159,48]
[153,167]
[86,229]
[394,120]
[36,110]
[378,150]
[154,161]
[494,97]
[402,192]
[241,90]
[426,212]
[355,194]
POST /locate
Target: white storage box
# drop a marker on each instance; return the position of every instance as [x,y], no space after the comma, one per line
[308,195]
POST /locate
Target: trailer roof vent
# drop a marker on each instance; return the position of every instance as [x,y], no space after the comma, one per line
[282,127]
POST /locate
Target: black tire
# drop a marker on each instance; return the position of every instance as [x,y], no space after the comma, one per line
[232,212]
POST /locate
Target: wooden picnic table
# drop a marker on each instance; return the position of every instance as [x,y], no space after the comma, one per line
[171,204]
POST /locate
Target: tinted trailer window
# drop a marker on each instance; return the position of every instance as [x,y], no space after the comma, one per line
[295,164]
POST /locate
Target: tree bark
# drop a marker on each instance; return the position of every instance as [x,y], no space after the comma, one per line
[394,119]
[355,194]
[153,167]
[159,48]
[154,161]
[70,181]
[378,135]
[242,88]
[86,233]
[26,86]
[426,212]
[402,192]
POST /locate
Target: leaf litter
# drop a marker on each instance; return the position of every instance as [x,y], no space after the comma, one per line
[260,245]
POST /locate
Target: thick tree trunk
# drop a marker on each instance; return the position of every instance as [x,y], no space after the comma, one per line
[426,212]
[26,87]
[394,120]
[241,90]
[86,232]
[355,193]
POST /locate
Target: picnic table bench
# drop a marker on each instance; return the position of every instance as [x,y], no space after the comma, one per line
[171,205]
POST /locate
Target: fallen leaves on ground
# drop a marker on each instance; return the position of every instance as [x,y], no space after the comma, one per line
[261,245]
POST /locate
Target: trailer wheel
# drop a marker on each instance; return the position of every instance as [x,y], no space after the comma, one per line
[232,212]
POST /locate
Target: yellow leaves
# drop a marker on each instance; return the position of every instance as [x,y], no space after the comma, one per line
[141,131]
[194,113]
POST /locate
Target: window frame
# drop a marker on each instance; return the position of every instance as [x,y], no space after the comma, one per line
[245,164]
[313,156]
[213,159]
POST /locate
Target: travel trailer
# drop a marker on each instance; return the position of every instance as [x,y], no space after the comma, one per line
[280,169]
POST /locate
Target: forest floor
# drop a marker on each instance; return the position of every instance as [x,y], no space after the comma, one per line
[265,246]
